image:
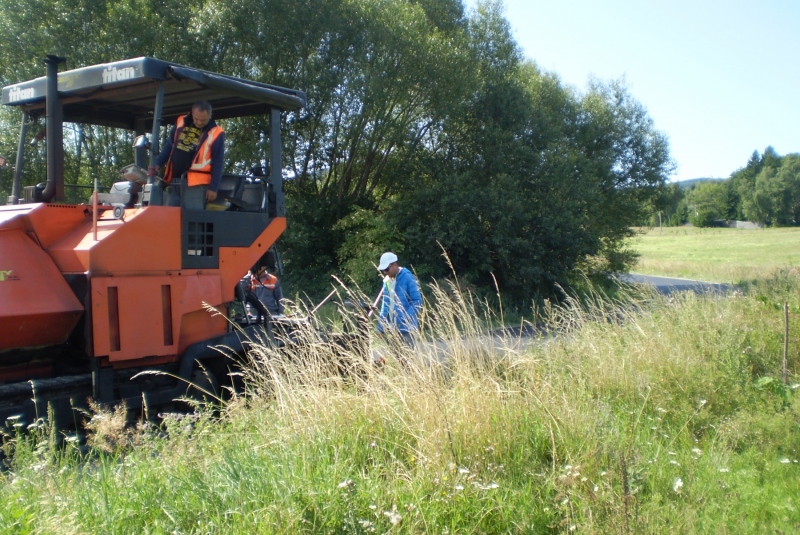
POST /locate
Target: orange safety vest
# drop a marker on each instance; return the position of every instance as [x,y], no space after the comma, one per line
[199,173]
[269,282]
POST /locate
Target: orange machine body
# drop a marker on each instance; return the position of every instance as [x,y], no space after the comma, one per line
[141,304]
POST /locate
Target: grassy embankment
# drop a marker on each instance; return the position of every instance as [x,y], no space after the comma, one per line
[649,415]
[716,254]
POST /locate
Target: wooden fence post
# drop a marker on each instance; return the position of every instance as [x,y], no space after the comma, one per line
[785,342]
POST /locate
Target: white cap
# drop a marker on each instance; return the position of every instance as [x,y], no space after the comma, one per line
[386,259]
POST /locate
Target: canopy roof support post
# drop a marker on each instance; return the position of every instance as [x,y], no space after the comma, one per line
[15,186]
[277,202]
[154,137]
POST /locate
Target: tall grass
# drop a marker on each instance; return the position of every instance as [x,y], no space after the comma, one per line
[643,414]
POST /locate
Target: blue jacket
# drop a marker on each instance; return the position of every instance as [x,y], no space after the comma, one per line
[407,305]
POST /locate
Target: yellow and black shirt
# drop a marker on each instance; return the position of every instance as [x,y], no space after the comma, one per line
[185,149]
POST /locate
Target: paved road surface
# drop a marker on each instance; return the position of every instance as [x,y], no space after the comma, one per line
[666,285]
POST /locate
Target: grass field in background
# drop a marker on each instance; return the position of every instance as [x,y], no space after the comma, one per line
[716,254]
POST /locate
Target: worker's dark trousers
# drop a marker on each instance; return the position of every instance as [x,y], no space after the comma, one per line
[190,198]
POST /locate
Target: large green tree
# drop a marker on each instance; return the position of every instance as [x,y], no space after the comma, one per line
[768,188]
[524,182]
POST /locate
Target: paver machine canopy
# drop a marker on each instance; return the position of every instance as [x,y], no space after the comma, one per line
[141,95]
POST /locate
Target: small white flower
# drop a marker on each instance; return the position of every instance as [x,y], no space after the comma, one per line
[673,461]
[785,461]
[394,518]
[459,487]
[697,451]
[662,411]
[676,487]
[671,453]
[603,473]
[702,402]
[346,483]
[724,470]
[463,471]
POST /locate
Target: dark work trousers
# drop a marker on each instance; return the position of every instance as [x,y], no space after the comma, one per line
[190,198]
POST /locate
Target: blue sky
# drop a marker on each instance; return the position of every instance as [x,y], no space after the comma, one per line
[720,78]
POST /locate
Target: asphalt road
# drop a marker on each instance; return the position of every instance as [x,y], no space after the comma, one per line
[667,285]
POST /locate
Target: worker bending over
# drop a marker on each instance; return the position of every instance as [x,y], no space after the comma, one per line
[402,299]
[267,289]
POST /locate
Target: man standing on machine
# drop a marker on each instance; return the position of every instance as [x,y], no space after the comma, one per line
[194,153]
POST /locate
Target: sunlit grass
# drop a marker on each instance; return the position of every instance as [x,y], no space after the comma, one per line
[716,254]
[638,415]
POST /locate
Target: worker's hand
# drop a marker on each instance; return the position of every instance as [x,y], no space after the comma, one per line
[210,195]
[152,170]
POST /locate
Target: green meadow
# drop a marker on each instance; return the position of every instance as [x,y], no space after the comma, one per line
[716,254]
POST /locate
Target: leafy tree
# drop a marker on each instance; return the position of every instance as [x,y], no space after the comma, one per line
[786,192]
[518,184]
[760,205]
[626,157]
[670,203]
[707,202]
[743,183]
[768,189]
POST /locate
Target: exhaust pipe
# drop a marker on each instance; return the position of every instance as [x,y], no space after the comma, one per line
[55,134]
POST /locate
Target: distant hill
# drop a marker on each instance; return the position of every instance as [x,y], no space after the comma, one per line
[686,184]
